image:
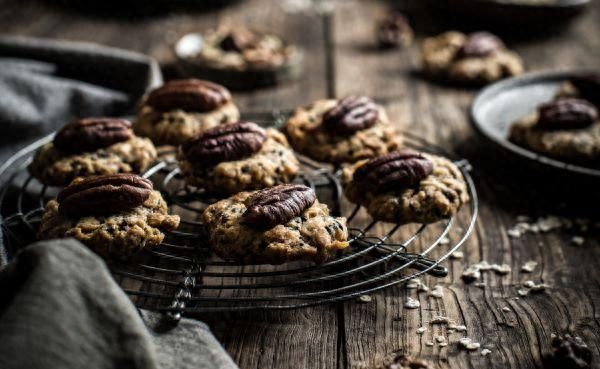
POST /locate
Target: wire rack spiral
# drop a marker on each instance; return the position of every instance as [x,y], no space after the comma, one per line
[181,276]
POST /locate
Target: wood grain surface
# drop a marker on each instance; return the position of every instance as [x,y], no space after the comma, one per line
[340,59]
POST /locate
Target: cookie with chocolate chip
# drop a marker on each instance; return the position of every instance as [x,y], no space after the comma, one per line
[339,131]
[114,215]
[478,58]
[237,157]
[273,226]
[406,187]
[92,146]
[180,109]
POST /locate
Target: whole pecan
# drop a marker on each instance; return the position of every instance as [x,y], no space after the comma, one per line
[479,44]
[188,94]
[238,39]
[568,352]
[106,194]
[588,87]
[351,114]
[393,30]
[226,142]
[90,134]
[567,113]
[277,205]
[394,171]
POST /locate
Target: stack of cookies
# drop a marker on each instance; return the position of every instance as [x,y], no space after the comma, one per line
[260,215]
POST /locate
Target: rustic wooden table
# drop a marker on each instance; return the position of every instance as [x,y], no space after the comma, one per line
[341,59]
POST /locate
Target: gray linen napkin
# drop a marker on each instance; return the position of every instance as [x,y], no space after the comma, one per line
[60,308]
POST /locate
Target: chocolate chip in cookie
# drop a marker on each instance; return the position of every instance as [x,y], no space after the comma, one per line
[227,142]
[188,95]
[351,114]
[237,40]
[107,194]
[90,134]
[277,205]
[395,171]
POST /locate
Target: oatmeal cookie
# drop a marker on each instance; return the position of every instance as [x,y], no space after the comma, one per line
[436,191]
[575,145]
[274,163]
[139,223]
[70,156]
[309,136]
[475,59]
[181,109]
[312,234]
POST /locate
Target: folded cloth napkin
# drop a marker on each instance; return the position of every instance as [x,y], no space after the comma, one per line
[60,308]
[46,83]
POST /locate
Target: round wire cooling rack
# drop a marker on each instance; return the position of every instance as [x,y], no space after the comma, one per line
[181,276]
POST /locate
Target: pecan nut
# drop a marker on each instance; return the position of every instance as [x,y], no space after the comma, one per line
[588,87]
[394,171]
[91,134]
[480,44]
[277,205]
[106,194]
[227,142]
[567,113]
[393,31]
[351,114]
[568,352]
[237,40]
[189,95]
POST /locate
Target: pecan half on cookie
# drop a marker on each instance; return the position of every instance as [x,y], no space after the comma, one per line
[180,109]
[115,215]
[406,186]
[92,146]
[275,225]
[235,157]
[339,131]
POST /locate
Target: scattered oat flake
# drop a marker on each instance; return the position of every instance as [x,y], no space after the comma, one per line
[441,320]
[473,272]
[467,344]
[457,328]
[578,240]
[437,292]
[485,352]
[444,241]
[440,339]
[429,343]
[506,309]
[421,330]
[529,266]
[457,255]
[480,284]
[412,303]
[364,298]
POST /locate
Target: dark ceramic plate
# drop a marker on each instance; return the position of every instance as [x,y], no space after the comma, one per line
[497,106]
[191,44]
[494,13]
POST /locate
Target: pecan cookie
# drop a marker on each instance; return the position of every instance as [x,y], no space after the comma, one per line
[566,129]
[115,215]
[241,58]
[345,130]
[406,187]
[91,146]
[475,59]
[180,109]
[274,226]
[236,157]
